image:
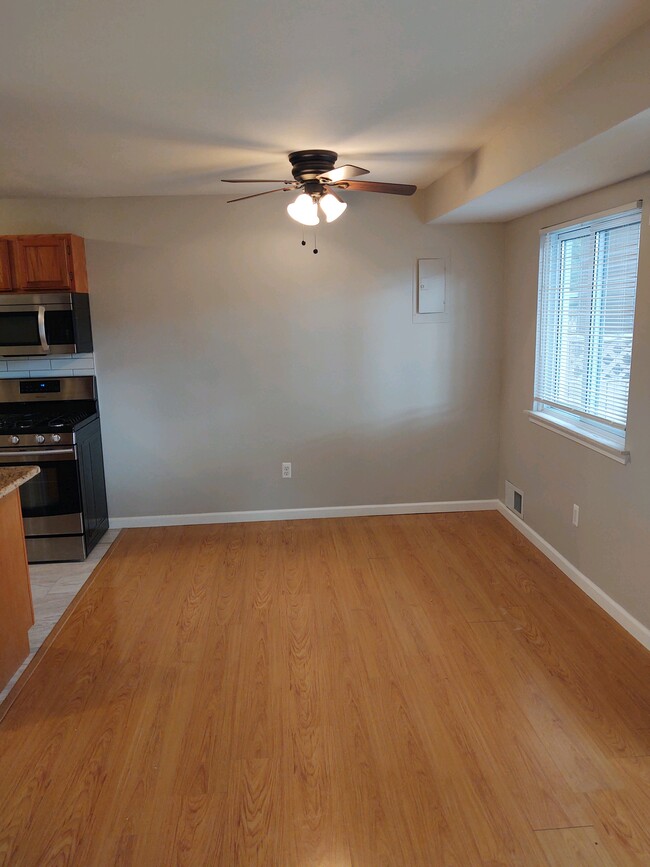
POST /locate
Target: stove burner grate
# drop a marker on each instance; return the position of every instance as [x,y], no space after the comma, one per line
[68,420]
[41,421]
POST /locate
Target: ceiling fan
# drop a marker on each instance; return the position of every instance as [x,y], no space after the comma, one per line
[315,175]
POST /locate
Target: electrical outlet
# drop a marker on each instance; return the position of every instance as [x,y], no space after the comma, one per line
[286,470]
[576,515]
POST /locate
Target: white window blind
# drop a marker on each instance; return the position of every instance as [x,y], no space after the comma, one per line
[585,319]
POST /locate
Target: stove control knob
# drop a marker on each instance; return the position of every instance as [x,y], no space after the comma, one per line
[56,438]
[39,438]
[14,440]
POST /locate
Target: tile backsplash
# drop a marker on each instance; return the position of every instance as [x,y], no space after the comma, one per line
[38,367]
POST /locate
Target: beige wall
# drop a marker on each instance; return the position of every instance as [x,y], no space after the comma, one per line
[612,543]
[223,348]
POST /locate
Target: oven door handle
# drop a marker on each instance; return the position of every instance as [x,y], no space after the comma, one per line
[16,456]
[42,336]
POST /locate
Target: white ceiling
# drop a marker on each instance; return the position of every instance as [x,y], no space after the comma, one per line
[163,97]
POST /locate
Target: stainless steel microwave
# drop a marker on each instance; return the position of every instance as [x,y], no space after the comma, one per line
[46,323]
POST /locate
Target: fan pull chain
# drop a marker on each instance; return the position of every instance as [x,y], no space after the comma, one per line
[303,243]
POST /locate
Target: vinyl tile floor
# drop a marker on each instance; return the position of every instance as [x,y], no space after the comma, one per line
[54,586]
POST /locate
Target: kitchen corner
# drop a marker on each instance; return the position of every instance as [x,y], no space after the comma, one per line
[16,607]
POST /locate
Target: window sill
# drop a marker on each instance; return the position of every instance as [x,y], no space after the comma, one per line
[602,446]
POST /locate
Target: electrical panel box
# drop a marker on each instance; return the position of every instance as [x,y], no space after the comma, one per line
[430,295]
[431,286]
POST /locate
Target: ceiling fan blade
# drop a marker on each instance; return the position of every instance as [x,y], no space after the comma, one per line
[376,187]
[249,181]
[255,195]
[342,173]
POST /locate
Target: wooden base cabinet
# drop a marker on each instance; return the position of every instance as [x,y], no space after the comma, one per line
[16,607]
[37,262]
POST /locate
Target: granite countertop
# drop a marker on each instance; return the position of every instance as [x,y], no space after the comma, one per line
[13,477]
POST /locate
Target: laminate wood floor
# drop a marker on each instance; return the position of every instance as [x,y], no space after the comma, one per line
[415,691]
[54,586]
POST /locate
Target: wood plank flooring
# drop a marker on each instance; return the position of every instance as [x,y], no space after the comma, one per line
[54,586]
[410,691]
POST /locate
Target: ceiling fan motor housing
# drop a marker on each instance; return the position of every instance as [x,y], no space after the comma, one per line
[308,165]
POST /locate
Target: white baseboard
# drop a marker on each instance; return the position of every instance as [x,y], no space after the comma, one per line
[620,615]
[301,514]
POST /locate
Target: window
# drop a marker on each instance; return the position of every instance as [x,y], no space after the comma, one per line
[585,322]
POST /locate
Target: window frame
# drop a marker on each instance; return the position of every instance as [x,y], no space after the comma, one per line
[608,438]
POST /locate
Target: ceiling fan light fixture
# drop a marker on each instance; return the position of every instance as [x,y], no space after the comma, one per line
[304,210]
[332,206]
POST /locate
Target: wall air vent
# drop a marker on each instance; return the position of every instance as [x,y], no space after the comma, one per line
[514,499]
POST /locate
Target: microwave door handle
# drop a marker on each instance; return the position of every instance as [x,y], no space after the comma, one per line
[41,329]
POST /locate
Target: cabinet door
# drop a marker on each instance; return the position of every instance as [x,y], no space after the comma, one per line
[43,262]
[6,279]
[16,609]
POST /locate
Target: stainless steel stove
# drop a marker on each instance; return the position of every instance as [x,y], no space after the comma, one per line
[53,423]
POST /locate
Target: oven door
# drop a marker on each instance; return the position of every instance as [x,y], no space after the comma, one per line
[36,329]
[51,501]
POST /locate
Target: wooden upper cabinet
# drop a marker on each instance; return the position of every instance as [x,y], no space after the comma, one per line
[41,262]
[6,273]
